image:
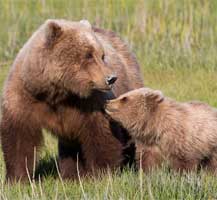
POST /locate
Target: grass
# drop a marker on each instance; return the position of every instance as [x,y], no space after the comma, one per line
[176,45]
[160,185]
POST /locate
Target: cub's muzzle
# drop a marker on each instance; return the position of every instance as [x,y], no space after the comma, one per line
[109,107]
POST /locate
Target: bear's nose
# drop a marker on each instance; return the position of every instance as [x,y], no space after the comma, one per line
[111,79]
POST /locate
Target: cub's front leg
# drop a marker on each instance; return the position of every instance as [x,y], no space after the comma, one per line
[148,158]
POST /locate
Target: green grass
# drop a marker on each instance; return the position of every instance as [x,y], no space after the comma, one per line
[175,42]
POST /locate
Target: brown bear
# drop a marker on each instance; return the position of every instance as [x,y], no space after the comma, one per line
[184,135]
[60,81]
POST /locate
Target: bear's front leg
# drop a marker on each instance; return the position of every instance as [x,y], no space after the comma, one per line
[20,138]
[100,148]
[71,160]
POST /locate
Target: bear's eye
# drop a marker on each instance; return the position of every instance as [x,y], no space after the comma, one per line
[124,99]
[103,57]
[89,55]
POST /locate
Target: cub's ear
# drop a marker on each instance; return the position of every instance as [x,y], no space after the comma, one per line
[52,32]
[154,97]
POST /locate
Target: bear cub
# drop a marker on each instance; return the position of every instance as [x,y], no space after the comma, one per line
[184,135]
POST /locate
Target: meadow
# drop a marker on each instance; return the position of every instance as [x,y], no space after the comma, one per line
[175,42]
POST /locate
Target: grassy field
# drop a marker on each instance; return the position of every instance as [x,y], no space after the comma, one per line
[175,42]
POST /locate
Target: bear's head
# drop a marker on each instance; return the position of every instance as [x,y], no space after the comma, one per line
[64,56]
[133,109]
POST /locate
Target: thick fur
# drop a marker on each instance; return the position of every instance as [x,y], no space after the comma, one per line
[182,134]
[58,82]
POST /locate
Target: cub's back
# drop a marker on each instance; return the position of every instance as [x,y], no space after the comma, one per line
[202,123]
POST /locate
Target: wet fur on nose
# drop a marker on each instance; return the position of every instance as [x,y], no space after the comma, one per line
[111,79]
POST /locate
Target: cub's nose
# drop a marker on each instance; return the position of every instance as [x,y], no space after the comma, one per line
[111,79]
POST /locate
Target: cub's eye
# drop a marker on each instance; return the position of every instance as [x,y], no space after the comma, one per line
[124,99]
[89,55]
[103,57]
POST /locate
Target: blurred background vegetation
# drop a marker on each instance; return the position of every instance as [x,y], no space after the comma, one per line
[175,42]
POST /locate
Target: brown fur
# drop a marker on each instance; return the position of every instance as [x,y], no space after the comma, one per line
[58,82]
[182,134]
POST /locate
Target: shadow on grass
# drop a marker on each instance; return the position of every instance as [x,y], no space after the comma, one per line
[46,168]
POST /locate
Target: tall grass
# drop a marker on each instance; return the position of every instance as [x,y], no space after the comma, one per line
[175,42]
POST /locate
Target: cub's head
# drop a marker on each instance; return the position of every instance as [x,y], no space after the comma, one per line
[133,109]
[68,56]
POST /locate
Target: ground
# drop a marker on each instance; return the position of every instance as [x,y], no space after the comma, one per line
[175,43]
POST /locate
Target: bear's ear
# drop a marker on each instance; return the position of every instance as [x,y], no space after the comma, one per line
[52,32]
[154,97]
[86,23]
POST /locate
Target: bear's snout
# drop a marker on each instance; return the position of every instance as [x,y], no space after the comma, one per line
[104,82]
[111,79]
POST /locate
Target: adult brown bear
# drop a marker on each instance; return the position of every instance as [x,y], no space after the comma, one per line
[60,81]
